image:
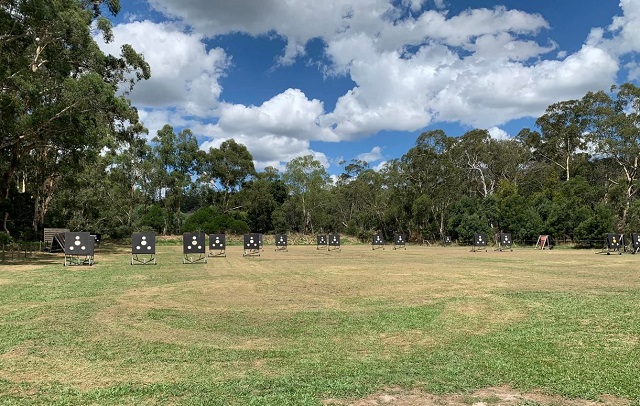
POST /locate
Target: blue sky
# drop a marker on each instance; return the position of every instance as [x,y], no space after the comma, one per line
[361,79]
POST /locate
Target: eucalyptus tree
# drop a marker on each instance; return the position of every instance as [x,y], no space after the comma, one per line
[226,168]
[308,184]
[615,128]
[59,101]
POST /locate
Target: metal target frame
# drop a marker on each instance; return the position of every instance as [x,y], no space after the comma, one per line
[217,242]
[399,241]
[479,242]
[377,242]
[333,244]
[321,241]
[78,248]
[251,245]
[194,243]
[504,242]
[143,243]
[281,242]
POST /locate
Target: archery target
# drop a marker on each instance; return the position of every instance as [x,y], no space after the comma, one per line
[143,243]
[252,241]
[377,240]
[193,243]
[281,240]
[217,241]
[480,239]
[334,240]
[78,243]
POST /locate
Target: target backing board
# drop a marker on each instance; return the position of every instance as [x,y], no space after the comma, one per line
[194,243]
[399,241]
[78,248]
[321,241]
[281,242]
[614,243]
[217,245]
[251,244]
[143,248]
[505,242]
[377,242]
[143,243]
[635,242]
[446,241]
[334,242]
[479,241]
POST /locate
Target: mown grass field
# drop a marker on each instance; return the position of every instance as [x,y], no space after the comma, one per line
[429,325]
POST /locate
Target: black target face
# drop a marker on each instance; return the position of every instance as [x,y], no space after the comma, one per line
[480,239]
[334,240]
[614,241]
[143,243]
[400,239]
[281,240]
[78,243]
[377,240]
[251,241]
[447,239]
[322,240]
[217,241]
[193,243]
[635,240]
[505,238]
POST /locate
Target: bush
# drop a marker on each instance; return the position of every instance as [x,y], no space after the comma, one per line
[5,238]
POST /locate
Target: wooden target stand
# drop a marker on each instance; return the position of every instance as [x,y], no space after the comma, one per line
[143,248]
[193,244]
[78,248]
[543,241]
[377,242]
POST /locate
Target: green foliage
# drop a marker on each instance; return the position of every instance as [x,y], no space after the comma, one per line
[206,219]
[592,230]
[5,238]
[154,218]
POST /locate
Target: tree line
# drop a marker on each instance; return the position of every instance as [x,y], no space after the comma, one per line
[74,154]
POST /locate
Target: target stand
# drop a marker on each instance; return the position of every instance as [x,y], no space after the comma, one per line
[334,242]
[321,241]
[543,241]
[614,243]
[143,248]
[504,242]
[634,245]
[251,245]
[217,245]
[399,241]
[193,244]
[446,241]
[78,248]
[479,242]
[281,242]
[377,242]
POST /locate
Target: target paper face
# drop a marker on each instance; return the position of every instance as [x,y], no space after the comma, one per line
[480,239]
[377,240]
[635,240]
[505,239]
[217,241]
[143,243]
[614,241]
[399,239]
[322,240]
[281,240]
[334,240]
[78,243]
[251,241]
[447,239]
[193,243]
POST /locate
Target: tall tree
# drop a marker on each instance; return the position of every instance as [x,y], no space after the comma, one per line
[58,97]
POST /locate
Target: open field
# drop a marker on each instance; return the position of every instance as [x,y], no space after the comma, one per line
[428,325]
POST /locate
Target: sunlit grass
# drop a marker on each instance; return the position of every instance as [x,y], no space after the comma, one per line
[307,325]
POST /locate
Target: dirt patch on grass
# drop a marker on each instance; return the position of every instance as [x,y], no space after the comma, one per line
[501,396]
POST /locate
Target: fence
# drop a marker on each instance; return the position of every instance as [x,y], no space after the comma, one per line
[14,251]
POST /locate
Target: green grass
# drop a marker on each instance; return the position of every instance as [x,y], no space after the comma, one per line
[301,327]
